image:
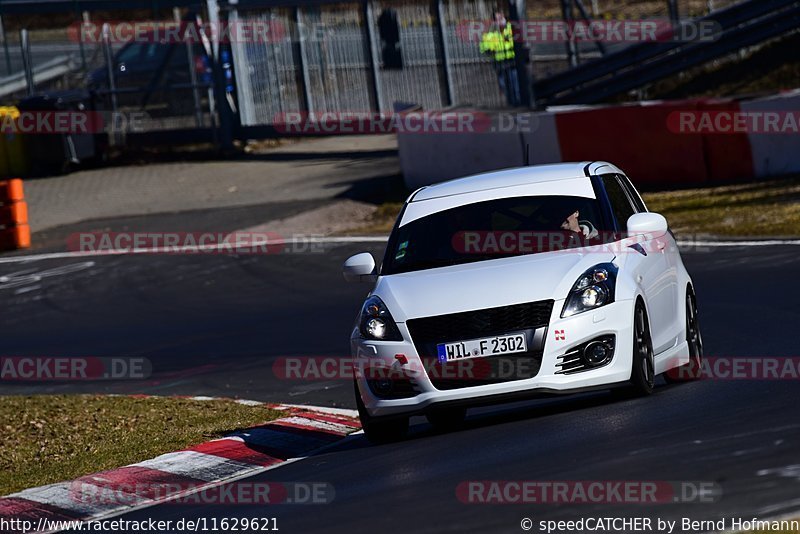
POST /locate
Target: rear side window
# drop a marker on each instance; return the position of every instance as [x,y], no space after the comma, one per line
[620,204]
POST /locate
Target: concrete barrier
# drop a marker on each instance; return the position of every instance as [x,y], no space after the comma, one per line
[728,157]
[636,139]
[542,140]
[648,140]
[775,154]
[432,157]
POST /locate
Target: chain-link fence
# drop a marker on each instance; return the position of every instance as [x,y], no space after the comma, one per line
[120,58]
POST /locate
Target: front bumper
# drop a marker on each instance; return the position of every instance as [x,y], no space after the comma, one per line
[380,358]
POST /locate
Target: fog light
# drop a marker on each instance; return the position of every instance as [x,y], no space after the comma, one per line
[596,353]
[383,385]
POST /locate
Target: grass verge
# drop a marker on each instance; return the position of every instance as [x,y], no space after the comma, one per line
[47,439]
[763,209]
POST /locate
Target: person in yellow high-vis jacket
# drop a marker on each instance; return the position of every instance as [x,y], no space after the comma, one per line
[498,44]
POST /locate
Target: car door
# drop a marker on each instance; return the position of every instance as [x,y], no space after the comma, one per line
[669,249]
[649,264]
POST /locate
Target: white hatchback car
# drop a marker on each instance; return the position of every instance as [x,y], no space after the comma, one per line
[547,279]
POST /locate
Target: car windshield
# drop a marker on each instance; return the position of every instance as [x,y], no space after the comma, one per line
[493,229]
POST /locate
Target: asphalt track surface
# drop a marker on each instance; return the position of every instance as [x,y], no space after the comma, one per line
[215,324]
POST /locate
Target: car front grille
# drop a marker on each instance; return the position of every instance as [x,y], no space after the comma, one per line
[529,318]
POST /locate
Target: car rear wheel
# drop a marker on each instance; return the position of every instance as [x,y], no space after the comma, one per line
[380,430]
[694,340]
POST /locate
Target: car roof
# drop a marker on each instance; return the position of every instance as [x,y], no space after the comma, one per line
[512,177]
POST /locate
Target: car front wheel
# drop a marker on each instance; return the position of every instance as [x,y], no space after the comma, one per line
[643,377]
[380,430]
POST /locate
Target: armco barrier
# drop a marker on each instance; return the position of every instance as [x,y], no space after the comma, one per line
[14,230]
[775,154]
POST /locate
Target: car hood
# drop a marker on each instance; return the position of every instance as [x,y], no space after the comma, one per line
[484,284]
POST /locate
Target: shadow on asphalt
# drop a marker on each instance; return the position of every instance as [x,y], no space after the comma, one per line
[377,190]
[502,414]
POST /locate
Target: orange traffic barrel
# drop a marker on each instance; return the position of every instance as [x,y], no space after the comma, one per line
[14,230]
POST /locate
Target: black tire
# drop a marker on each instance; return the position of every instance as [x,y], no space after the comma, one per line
[690,371]
[380,430]
[643,377]
[446,419]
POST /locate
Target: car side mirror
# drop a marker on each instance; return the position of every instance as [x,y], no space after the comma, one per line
[652,224]
[360,268]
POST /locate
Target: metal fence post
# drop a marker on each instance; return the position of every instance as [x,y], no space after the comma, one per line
[244,87]
[211,51]
[5,45]
[517,15]
[674,14]
[450,97]
[372,56]
[189,46]
[25,48]
[572,49]
[112,84]
[82,19]
[308,101]
[220,97]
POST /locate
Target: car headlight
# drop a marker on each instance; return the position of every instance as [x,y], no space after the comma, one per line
[594,288]
[376,322]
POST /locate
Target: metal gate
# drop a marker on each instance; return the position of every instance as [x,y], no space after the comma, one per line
[267,71]
[419,80]
[333,50]
[472,75]
[338,58]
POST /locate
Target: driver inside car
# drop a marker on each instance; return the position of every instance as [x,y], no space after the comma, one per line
[574,224]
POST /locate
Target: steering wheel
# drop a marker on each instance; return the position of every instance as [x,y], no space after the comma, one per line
[591,230]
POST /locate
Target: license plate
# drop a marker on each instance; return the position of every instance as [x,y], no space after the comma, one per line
[480,348]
